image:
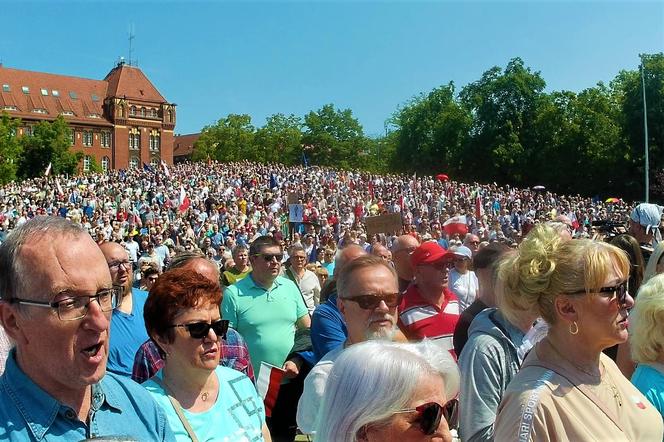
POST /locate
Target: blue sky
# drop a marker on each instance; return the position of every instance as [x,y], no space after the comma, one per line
[261,58]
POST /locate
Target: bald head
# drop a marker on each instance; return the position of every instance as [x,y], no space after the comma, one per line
[401,249]
[347,254]
[117,259]
[377,249]
[204,267]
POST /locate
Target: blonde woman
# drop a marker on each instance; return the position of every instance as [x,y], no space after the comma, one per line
[567,389]
[647,341]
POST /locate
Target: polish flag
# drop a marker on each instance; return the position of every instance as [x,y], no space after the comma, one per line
[456,225]
[479,208]
[267,384]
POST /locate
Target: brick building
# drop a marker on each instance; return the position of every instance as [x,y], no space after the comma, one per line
[183,147]
[121,121]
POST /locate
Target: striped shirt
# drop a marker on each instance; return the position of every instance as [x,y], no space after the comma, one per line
[420,319]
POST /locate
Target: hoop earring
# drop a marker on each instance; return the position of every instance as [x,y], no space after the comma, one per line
[574,328]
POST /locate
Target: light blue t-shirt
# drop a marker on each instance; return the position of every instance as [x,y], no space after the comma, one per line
[238,415]
[127,334]
[650,381]
[119,407]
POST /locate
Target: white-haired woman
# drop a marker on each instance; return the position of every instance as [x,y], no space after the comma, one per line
[646,336]
[655,264]
[382,391]
[567,389]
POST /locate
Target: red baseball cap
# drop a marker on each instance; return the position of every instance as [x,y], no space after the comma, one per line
[430,252]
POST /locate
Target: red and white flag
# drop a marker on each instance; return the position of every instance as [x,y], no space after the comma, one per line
[479,208]
[48,169]
[267,384]
[456,225]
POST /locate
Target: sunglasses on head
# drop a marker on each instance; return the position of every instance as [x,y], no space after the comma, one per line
[268,257]
[431,413]
[620,291]
[371,302]
[199,330]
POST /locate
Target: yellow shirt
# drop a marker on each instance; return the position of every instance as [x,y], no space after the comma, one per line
[550,400]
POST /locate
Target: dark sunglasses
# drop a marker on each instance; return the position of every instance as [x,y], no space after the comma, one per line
[199,330]
[268,257]
[370,302]
[431,413]
[620,291]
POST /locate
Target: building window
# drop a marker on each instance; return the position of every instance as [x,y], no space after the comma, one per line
[154,140]
[132,110]
[9,108]
[72,136]
[5,88]
[55,93]
[133,163]
[87,138]
[95,97]
[28,131]
[154,113]
[67,113]
[25,89]
[44,92]
[73,95]
[154,162]
[134,139]
[105,162]
[39,111]
[142,112]
[105,139]
[86,163]
[170,116]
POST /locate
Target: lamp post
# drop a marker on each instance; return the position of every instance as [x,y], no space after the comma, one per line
[645,127]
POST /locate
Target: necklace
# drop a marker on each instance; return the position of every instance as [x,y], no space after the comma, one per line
[581,369]
[204,396]
[617,397]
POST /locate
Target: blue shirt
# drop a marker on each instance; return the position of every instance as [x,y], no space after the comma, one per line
[238,413]
[120,407]
[328,328]
[127,334]
[650,381]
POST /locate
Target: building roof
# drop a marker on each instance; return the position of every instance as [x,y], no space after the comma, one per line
[39,95]
[129,81]
[183,145]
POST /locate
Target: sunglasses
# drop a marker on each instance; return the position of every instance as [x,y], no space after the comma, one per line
[371,302]
[431,413]
[268,257]
[620,291]
[199,330]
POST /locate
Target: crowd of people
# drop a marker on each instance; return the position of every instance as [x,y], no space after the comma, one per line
[248,302]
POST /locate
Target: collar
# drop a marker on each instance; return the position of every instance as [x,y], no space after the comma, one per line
[276,283]
[38,408]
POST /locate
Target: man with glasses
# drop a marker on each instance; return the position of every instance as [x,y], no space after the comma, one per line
[428,308]
[368,295]
[127,325]
[267,309]
[472,242]
[306,280]
[57,298]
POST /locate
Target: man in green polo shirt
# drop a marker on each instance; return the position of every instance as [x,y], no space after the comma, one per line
[266,309]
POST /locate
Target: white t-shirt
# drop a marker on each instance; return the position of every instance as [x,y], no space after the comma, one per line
[464,286]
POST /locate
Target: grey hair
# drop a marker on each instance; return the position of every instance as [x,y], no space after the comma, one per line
[239,248]
[364,261]
[296,248]
[14,274]
[184,257]
[383,377]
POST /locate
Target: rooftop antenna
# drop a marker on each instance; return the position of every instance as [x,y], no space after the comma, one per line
[131,39]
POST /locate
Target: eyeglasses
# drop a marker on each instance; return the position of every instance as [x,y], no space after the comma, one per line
[73,308]
[371,302]
[115,265]
[431,413]
[199,330]
[620,291]
[268,257]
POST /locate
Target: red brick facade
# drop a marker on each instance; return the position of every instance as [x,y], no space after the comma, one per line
[121,121]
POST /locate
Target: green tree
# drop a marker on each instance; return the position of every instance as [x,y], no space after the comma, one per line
[334,137]
[503,105]
[432,130]
[10,148]
[49,143]
[280,140]
[231,139]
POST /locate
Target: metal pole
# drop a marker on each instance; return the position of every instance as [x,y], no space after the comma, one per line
[645,128]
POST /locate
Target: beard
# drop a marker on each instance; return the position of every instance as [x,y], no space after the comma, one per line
[382,333]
